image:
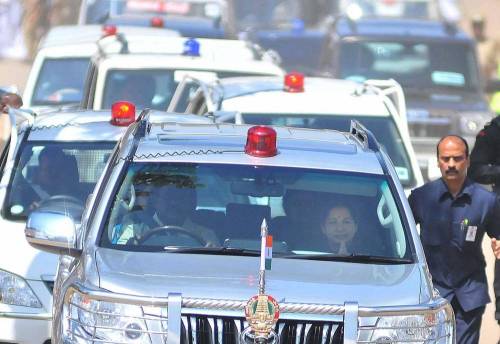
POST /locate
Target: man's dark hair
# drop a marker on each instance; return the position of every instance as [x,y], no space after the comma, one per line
[458,137]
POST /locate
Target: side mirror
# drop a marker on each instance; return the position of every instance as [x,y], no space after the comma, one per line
[492,86]
[52,232]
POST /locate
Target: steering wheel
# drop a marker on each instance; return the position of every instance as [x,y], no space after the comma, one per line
[70,204]
[172,229]
[61,198]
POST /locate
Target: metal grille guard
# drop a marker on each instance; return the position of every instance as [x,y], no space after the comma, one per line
[175,303]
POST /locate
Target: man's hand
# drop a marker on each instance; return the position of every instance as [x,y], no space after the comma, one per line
[495,246]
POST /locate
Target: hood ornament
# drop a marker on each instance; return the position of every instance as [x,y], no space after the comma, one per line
[262,311]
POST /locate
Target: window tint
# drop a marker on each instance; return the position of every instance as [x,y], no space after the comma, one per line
[412,64]
[47,172]
[60,81]
[152,88]
[161,205]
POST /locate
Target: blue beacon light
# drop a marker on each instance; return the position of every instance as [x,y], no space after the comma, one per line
[191,47]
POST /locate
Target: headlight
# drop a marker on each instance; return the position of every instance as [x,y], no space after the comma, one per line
[472,122]
[15,291]
[432,328]
[86,319]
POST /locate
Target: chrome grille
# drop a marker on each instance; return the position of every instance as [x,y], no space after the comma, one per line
[200,329]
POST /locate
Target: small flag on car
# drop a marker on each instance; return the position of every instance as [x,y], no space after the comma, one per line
[266,253]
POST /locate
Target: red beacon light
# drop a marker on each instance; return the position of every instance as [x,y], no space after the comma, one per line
[157,22]
[122,113]
[109,30]
[294,82]
[261,142]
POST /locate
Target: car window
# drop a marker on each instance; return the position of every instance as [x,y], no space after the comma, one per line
[162,205]
[53,173]
[97,11]
[412,64]
[152,88]
[383,128]
[60,81]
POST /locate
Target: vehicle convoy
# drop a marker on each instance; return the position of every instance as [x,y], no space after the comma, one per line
[435,63]
[53,162]
[192,18]
[171,241]
[148,77]
[69,49]
[317,103]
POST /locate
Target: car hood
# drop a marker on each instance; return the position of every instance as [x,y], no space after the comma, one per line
[18,257]
[236,278]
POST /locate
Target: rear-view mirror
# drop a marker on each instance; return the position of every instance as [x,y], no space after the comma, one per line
[255,189]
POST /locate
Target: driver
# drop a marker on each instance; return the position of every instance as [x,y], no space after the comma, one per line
[50,169]
[169,205]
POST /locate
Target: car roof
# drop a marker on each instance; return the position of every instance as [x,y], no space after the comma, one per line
[213,49]
[224,144]
[320,96]
[89,126]
[71,34]
[403,28]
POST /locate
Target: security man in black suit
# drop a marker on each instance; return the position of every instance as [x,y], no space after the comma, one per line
[485,169]
[454,213]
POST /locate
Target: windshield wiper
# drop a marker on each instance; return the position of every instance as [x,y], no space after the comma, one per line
[353,258]
[229,251]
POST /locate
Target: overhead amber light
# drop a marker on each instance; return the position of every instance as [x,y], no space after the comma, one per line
[122,113]
[261,142]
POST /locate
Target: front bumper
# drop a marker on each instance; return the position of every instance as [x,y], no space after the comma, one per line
[25,328]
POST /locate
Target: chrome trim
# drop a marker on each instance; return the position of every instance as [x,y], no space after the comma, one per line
[174,318]
[303,308]
[350,322]
[26,316]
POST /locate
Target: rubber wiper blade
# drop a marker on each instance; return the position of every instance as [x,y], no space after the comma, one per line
[353,258]
[230,251]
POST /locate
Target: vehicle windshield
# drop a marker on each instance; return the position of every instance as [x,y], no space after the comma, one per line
[49,175]
[417,9]
[383,128]
[431,66]
[54,87]
[99,11]
[153,88]
[163,206]
[283,14]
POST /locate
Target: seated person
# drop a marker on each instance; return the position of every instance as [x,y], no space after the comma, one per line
[340,228]
[168,205]
[295,227]
[52,174]
[138,89]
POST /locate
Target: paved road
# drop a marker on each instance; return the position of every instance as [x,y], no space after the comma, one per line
[15,72]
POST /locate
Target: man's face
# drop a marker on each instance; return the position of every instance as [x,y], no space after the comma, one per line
[452,160]
[173,204]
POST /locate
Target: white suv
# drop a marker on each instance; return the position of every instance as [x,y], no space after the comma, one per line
[318,103]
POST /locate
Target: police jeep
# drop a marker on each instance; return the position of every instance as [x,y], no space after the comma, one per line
[434,61]
[148,72]
[318,103]
[69,49]
[52,162]
[176,246]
